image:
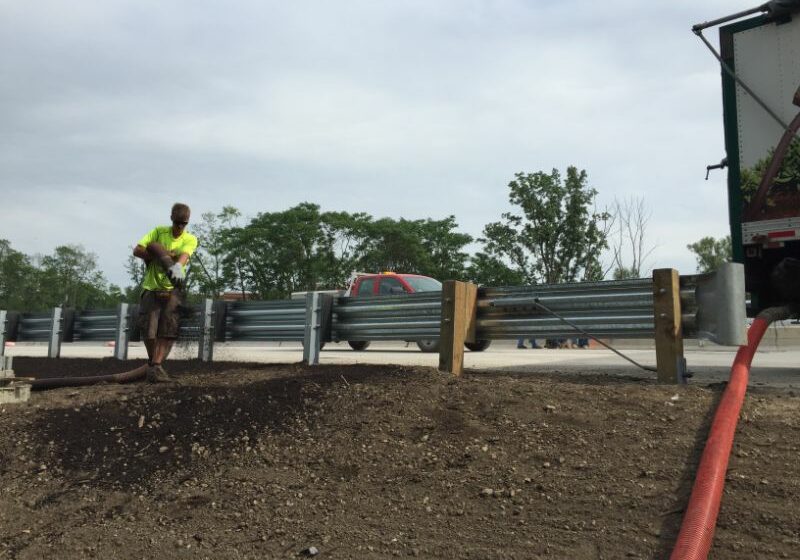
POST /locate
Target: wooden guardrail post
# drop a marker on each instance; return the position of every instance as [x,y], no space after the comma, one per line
[669,334]
[459,301]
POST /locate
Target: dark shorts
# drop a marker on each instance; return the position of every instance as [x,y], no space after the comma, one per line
[158,314]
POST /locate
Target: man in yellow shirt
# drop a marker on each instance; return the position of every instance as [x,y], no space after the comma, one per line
[165,250]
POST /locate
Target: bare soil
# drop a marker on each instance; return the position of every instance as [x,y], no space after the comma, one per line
[255,461]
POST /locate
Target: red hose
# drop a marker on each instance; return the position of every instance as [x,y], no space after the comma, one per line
[700,520]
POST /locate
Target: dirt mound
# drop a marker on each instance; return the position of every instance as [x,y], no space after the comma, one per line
[254,461]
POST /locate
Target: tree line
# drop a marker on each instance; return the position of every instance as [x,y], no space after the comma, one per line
[554,234]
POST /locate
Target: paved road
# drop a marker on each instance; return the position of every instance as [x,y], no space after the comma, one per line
[771,368]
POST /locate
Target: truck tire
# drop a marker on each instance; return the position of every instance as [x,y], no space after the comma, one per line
[429,345]
[358,345]
[478,345]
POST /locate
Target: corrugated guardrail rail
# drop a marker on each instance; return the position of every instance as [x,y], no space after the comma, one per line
[399,317]
[35,327]
[278,320]
[95,325]
[190,320]
[621,308]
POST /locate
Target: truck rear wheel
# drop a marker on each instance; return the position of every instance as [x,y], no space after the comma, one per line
[428,345]
[478,345]
[358,345]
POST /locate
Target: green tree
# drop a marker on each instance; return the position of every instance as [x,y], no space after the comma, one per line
[304,249]
[429,247]
[69,277]
[486,270]
[444,248]
[623,273]
[557,237]
[213,266]
[18,278]
[278,252]
[394,245]
[711,253]
[345,239]
[135,268]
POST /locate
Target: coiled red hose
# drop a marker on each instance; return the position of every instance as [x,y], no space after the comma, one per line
[697,529]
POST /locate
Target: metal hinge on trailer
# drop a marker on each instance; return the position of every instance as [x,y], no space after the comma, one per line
[771,232]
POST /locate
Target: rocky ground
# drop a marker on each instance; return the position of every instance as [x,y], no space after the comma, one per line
[253,461]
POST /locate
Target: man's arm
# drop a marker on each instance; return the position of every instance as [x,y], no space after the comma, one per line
[141,252]
[145,255]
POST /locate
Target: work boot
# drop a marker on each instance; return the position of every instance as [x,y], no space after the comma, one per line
[157,374]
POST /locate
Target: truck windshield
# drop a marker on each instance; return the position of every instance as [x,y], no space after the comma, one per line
[423,284]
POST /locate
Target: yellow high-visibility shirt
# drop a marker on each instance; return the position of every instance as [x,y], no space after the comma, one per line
[155,278]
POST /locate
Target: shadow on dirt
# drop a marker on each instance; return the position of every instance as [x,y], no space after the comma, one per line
[574,374]
[671,523]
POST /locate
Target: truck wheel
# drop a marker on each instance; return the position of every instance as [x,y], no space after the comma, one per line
[428,345]
[358,345]
[478,345]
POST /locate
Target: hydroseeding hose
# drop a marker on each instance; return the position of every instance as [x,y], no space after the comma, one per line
[699,522]
[57,382]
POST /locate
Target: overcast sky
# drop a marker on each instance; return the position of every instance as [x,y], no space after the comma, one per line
[111,110]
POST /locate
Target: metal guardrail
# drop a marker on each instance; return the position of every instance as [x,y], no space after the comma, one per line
[95,325]
[621,308]
[35,327]
[191,321]
[400,317]
[711,306]
[282,320]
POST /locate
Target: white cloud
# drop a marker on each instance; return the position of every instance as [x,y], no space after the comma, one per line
[415,109]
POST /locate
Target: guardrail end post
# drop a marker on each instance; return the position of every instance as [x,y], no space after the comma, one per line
[721,311]
[206,346]
[122,335]
[311,336]
[54,342]
[2,332]
[670,361]
[459,301]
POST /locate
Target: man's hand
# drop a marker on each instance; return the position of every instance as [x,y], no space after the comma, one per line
[176,275]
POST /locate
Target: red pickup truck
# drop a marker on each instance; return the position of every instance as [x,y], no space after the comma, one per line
[391,283]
